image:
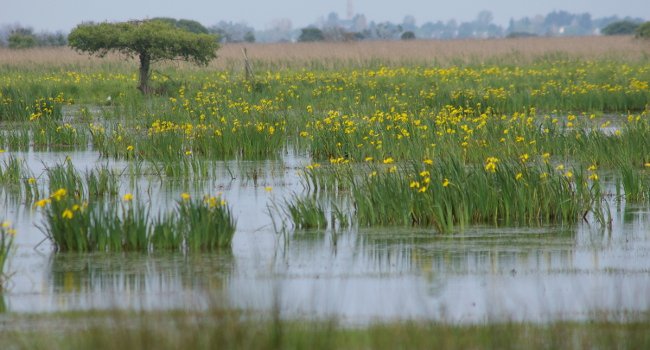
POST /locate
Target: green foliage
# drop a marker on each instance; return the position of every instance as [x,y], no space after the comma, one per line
[19,40]
[643,31]
[7,233]
[249,37]
[620,28]
[520,35]
[205,225]
[151,41]
[449,194]
[408,36]
[306,213]
[311,34]
[185,24]
[74,224]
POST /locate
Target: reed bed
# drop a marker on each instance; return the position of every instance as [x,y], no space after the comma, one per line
[72,223]
[360,54]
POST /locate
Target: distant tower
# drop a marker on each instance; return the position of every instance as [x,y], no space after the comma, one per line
[350,9]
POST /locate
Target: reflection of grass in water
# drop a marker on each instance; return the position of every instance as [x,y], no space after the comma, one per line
[232,329]
[119,273]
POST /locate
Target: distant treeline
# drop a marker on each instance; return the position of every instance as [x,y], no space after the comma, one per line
[333,28]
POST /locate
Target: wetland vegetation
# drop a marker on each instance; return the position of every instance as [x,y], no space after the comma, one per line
[438,148]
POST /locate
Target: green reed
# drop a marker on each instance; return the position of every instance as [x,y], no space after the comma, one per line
[450,194]
[102,182]
[7,233]
[205,224]
[74,224]
[305,212]
[12,171]
[64,175]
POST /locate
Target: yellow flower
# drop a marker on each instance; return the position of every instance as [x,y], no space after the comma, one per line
[67,214]
[543,175]
[268,188]
[59,194]
[212,202]
[422,189]
[129,148]
[428,161]
[592,168]
[6,224]
[593,177]
[425,173]
[414,184]
[185,196]
[41,203]
[392,169]
[524,157]
[519,176]
[188,153]
[568,174]
[368,159]
[127,197]
[647,165]
[445,182]
[560,167]
[389,160]
[31,181]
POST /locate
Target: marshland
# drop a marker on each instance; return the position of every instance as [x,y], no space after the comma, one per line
[452,193]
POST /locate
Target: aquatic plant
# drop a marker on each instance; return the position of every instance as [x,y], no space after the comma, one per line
[305,212]
[73,224]
[448,193]
[7,233]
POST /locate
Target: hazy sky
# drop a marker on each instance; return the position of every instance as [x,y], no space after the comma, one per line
[53,15]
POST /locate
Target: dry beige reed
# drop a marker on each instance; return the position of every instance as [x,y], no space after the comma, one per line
[356,54]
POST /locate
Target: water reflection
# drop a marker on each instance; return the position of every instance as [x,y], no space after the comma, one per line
[356,275]
[135,280]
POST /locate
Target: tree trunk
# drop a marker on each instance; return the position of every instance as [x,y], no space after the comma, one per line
[145,62]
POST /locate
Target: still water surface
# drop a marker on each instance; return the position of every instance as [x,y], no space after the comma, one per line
[355,275]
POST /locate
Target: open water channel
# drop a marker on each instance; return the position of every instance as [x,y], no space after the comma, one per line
[356,275]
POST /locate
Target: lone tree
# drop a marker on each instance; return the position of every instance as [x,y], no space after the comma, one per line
[151,41]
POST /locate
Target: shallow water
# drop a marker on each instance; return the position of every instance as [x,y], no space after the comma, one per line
[356,275]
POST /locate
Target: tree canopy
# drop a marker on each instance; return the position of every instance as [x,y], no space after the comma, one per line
[150,41]
[620,28]
[311,34]
[643,31]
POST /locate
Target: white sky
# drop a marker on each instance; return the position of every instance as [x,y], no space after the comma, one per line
[54,15]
